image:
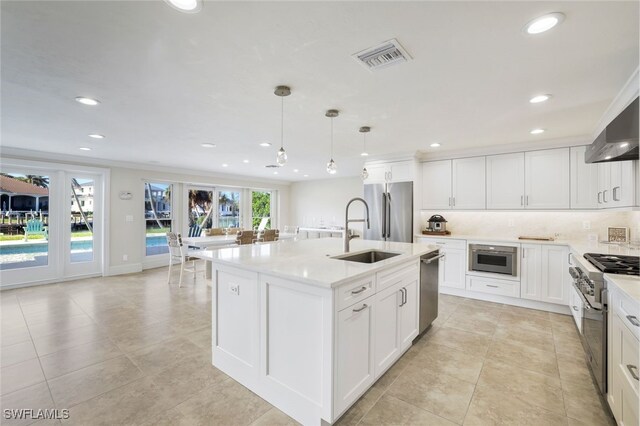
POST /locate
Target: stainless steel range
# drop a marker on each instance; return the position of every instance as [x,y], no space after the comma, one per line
[588,279]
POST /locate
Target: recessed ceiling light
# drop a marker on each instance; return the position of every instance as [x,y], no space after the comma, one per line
[434,145]
[364,154]
[306,176]
[544,23]
[536,131]
[624,144]
[84,148]
[245,161]
[87,101]
[208,145]
[225,165]
[187,6]
[265,144]
[539,98]
[608,157]
[96,136]
[275,173]
[295,170]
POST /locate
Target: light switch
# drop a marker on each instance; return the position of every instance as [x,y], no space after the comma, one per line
[128,218]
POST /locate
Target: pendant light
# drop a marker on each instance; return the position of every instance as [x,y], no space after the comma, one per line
[332,167]
[281,157]
[364,130]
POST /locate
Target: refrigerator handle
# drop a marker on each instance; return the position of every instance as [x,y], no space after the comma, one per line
[388,226]
[384,214]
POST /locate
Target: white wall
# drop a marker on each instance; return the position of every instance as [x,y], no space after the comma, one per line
[325,200]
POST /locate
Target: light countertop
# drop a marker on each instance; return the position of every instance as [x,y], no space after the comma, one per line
[310,262]
[628,284]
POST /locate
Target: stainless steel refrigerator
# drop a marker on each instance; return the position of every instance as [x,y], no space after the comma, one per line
[390,211]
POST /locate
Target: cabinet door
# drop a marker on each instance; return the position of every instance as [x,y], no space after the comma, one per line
[436,185]
[469,183]
[530,271]
[401,171]
[584,181]
[452,268]
[547,179]
[555,275]
[387,317]
[621,184]
[355,372]
[576,305]
[604,185]
[505,181]
[377,173]
[409,313]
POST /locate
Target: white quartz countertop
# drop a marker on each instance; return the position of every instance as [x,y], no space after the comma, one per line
[310,262]
[628,284]
[496,239]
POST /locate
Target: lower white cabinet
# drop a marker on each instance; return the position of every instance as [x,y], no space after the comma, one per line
[495,286]
[576,305]
[544,273]
[355,366]
[452,268]
[409,312]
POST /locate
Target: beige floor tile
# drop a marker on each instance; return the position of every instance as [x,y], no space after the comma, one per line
[392,411]
[131,404]
[131,341]
[60,325]
[573,369]
[462,340]
[440,359]
[567,346]
[201,338]
[21,375]
[14,335]
[564,326]
[170,417]
[528,386]
[491,406]
[520,355]
[227,403]
[534,324]
[72,359]
[440,394]
[34,397]
[483,304]
[275,417]
[475,323]
[19,352]
[57,342]
[158,357]
[86,383]
[358,410]
[451,299]
[587,407]
[533,339]
[526,312]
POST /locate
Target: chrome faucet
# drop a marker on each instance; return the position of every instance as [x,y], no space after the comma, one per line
[348,237]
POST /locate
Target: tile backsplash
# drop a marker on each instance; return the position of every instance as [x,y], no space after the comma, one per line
[569,225]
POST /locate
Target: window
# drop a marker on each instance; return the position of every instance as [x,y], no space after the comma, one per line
[158,217]
[229,209]
[82,223]
[199,207]
[260,207]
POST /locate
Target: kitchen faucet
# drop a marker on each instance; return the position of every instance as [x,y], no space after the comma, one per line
[348,237]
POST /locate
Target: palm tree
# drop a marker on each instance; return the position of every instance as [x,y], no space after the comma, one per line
[74,185]
[152,203]
[41,181]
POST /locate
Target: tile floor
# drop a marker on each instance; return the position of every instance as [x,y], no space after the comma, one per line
[132,350]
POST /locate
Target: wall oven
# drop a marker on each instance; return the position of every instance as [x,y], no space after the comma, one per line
[493,259]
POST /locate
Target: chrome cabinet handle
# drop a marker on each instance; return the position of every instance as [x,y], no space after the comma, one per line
[364,306]
[492,286]
[614,193]
[599,195]
[358,291]
[575,308]
[522,200]
[454,201]
[433,259]
[633,320]
[631,369]
[403,297]
[604,196]
[569,259]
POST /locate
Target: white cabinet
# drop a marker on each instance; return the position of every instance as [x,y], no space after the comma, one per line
[584,180]
[355,367]
[409,312]
[398,171]
[616,184]
[454,184]
[547,179]
[505,181]
[436,185]
[468,183]
[452,268]
[544,273]
[576,305]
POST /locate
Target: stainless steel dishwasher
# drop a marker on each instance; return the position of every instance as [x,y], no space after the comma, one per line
[429,265]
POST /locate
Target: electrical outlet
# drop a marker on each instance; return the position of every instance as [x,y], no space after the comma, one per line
[128,218]
[586,224]
[125,257]
[511,223]
[234,289]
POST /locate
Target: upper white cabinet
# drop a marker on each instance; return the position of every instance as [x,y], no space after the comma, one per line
[616,184]
[436,185]
[505,181]
[454,184]
[547,179]
[468,183]
[397,171]
[584,180]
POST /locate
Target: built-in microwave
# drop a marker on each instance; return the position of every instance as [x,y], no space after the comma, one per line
[493,259]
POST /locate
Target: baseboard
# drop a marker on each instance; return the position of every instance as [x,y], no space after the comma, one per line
[48,281]
[523,303]
[125,269]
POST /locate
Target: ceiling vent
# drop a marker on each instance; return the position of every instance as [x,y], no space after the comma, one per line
[384,55]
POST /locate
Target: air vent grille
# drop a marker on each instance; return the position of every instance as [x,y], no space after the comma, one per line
[386,54]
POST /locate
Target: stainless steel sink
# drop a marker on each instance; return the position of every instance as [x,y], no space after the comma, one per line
[371,256]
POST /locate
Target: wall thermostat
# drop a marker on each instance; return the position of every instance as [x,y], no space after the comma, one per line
[125,195]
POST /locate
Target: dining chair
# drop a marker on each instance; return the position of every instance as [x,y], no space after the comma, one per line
[269,235]
[246,237]
[215,231]
[178,252]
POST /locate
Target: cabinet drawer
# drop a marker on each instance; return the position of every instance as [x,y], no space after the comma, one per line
[629,364]
[445,243]
[493,286]
[354,292]
[576,305]
[392,276]
[629,311]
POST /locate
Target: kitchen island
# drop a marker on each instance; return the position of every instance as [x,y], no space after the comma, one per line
[307,331]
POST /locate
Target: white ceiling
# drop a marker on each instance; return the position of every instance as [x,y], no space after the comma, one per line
[169,81]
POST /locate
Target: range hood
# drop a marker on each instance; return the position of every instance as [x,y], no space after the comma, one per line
[619,140]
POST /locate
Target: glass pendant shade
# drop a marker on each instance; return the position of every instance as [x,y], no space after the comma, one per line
[364,174]
[281,158]
[332,167]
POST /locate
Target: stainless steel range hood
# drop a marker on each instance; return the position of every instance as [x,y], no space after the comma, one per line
[619,140]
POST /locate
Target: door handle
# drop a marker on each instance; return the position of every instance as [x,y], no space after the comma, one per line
[631,369]
[404,296]
[388,215]
[433,259]
[633,320]
[575,308]
[363,288]
[492,286]
[522,200]
[384,214]
[454,201]
[599,195]
[569,259]
[614,193]
[526,200]
[402,300]
[364,306]
[604,196]
[449,201]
